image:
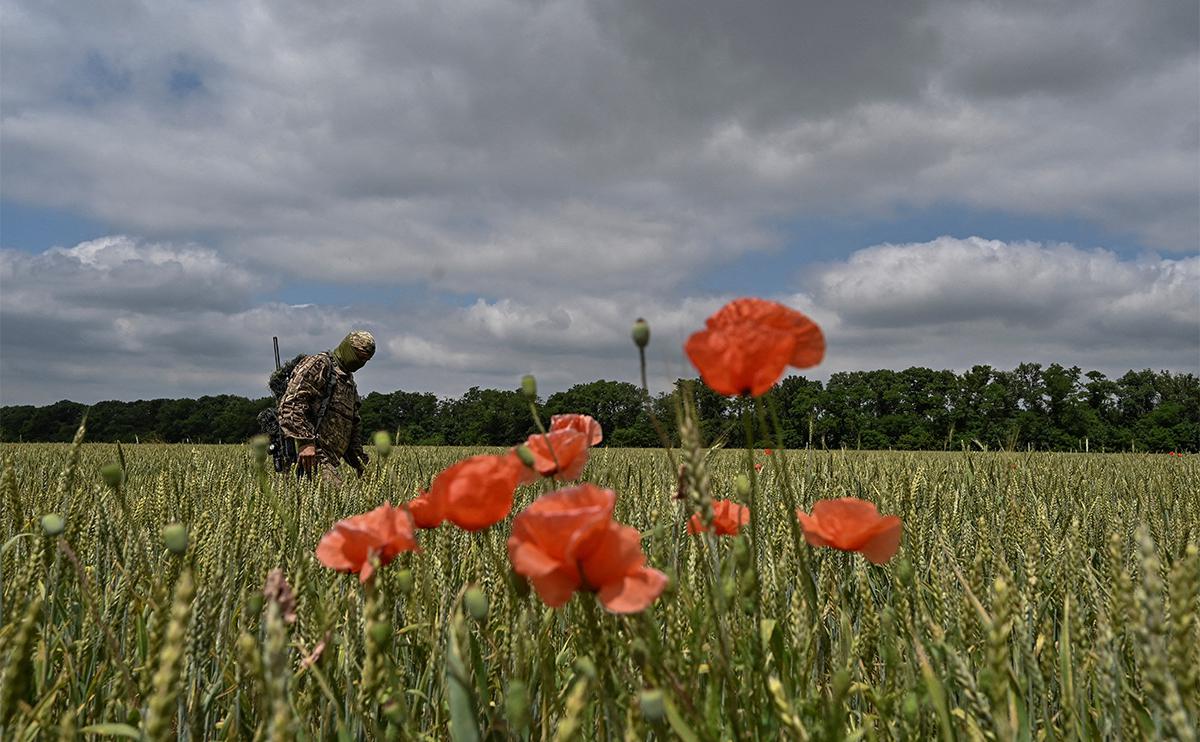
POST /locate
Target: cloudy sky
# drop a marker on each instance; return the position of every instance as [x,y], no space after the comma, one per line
[496,188]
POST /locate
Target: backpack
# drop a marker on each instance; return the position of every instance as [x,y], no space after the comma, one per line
[282,448]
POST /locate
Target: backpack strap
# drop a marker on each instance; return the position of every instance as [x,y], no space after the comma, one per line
[328,396]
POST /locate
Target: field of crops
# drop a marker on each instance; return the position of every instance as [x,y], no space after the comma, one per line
[1033,596]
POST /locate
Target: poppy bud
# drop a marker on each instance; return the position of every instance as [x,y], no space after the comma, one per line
[112,474]
[525,455]
[476,602]
[741,485]
[729,588]
[640,333]
[404,581]
[741,553]
[133,716]
[516,705]
[254,604]
[258,446]
[529,387]
[53,524]
[175,538]
[911,706]
[653,704]
[585,667]
[904,570]
[380,631]
[383,443]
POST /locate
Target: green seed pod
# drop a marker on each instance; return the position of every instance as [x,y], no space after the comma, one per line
[525,455]
[53,524]
[529,387]
[112,474]
[258,445]
[383,443]
[585,667]
[175,538]
[910,706]
[729,588]
[254,604]
[404,581]
[516,705]
[640,333]
[741,485]
[380,631]
[653,705]
[741,552]
[476,602]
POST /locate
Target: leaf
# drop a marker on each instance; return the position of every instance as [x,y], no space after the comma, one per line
[112,730]
[678,725]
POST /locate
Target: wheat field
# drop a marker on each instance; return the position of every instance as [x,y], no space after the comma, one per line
[1035,596]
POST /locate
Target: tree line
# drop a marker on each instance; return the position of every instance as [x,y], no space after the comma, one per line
[1030,407]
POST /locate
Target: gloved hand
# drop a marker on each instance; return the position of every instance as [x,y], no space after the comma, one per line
[306,458]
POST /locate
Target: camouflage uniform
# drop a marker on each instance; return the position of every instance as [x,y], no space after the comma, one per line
[341,429]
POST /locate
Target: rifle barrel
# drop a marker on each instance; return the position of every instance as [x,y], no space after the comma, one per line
[275,340]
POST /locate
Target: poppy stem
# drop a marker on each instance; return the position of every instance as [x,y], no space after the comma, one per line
[783,473]
[537,420]
[648,403]
[755,516]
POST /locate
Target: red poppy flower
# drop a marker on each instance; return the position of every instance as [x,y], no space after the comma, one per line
[728,518]
[769,451]
[585,424]
[561,454]
[748,343]
[475,493]
[426,511]
[758,467]
[567,541]
[383,533]
[850,524]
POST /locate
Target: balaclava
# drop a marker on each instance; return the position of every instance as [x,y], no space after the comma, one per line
[355,350]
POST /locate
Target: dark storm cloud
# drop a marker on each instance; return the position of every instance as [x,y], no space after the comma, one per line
[575,164]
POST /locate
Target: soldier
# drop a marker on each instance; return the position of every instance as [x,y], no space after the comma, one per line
[320,407]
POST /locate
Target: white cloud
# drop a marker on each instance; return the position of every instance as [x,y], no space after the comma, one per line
[506,147]
[948,303]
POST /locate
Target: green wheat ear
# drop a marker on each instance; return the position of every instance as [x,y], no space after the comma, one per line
[1086,569]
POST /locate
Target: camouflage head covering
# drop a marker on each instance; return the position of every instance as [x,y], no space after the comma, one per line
[355,350]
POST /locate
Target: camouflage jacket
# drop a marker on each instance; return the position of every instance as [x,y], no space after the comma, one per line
[340,432]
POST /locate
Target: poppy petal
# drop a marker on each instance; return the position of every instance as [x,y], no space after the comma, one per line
[585,424]
[613,553]
[555,588]
[812,529]
[744,359]
[530,561]
[477,492]
[335,552]
[634,592]
[885,543]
